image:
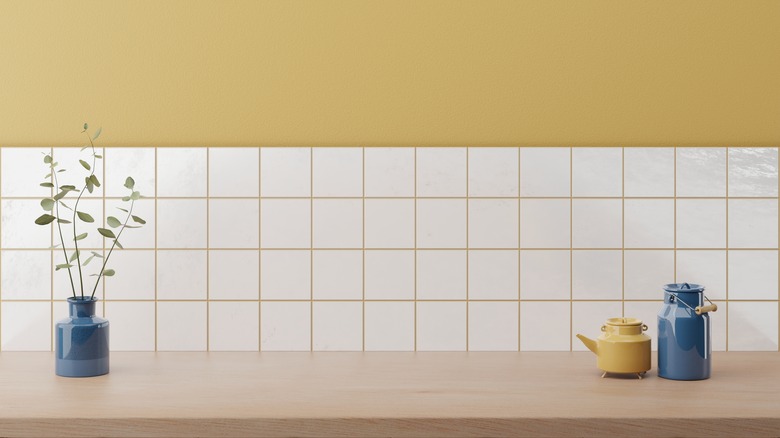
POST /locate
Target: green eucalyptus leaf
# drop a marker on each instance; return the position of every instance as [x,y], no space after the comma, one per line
[85,165]
[81,236]
[89,259]
[132,226]
[113,222]
[60,195]
[48,175]
[65,205]
[68,188]
[98,156]
[84,148]
[97,133]
[54,246]
[94,180]
[125,198]
[45,219]
[74,256]
[85,217]
[53,165]
[130,183]
[138,220]
[63,221]
[120,208]
[61,170]
[88,184]
[107,233]
[47,204]
[47,159]
[63,266]
[109,273]
[86,126]
[119,244]
[135,196]
[47,184]
[97,254]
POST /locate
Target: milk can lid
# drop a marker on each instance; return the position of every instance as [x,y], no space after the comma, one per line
[684,287]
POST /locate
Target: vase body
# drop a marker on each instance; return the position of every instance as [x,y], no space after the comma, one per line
[684,338]
[81,345]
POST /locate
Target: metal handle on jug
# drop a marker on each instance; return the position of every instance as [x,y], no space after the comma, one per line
[704,309]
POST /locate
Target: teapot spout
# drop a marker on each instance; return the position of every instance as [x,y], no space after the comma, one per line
[590,343]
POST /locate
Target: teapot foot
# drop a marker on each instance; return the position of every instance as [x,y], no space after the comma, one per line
[604,375]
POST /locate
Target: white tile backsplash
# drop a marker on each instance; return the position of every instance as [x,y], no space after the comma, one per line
[397,249]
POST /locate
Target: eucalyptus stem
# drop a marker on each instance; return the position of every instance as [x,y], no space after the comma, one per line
[62,240]
[105,261]
[75,211]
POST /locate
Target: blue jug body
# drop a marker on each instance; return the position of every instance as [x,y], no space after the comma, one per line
[684,338]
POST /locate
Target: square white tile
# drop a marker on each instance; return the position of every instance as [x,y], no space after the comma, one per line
[545,275]
[233,275]
[753,326]
[597,223]
[182,171]
[545,171]
[23,170]
[753,275]
[701,223]
[701,172]
[493,223]
[19,229]
[285,326]
[338,326]
[441,326]
[234,223]
[338,275]
[441,223]
[74,174]
[649,171]
[389,326]
[389,275]
[338,223]
[707,268]
[493,171]
[285,172]
[648,313]
[181,326]
[553,317]
[181,275]
[493,275]
[181,223]
[285,275]
[441,275]
[338,171]
[234,172]
[753,172]
[597,275]
[441,172]
[389,172]
[587,319]
[597,171]
[132,325]
[26,326]
[142,237]
[285,223]
[26,275]
[649,223]
[389,223]
[234,326]
[493,326]
[647,272]
[134,278]
[138,163]
[752,223]
[545,223]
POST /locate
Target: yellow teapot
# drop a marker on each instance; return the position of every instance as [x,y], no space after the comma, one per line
[622,347]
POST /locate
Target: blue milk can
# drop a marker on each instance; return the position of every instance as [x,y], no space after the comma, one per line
[684,333]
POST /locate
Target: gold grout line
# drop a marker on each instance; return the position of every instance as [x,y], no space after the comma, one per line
[311,249]
[156,315]
[468,253]
[519,253]
[429,146]
[622,232]
[303,198]
[51,268]
[1,247]
[363,278]
[671,248]
[389,300]
[208,252]
[259,252]
[103,192]
[571,246]
[674,277]
[727,249]
[415,249]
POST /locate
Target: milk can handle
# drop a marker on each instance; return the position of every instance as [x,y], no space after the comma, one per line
[699,309]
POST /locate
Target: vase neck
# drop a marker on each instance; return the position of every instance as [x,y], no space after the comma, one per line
[81,308]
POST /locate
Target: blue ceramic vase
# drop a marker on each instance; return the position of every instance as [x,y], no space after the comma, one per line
[82,341]
[684,334]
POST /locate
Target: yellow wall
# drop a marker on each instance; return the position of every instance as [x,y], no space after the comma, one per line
[391,72]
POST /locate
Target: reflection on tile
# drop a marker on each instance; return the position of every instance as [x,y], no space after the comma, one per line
[752,171]
[701,172]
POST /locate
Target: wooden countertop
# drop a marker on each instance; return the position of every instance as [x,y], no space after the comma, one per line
[383,394]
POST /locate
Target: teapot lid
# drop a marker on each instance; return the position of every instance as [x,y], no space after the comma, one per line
[683,287]
[624,322]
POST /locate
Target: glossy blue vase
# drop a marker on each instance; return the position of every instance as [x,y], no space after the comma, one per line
[81,341]
[684,333]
